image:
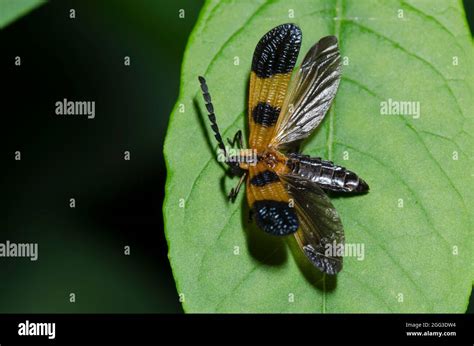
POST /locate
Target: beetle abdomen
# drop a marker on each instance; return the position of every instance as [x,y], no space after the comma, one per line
[326,174]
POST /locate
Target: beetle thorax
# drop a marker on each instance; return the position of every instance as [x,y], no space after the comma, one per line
[274,160]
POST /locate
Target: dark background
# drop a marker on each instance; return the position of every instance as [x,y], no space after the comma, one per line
[118,202]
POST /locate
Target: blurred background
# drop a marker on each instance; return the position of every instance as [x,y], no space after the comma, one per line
[118,202]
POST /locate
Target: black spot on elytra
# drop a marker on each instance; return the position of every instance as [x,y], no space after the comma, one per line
[274,217]
[265,114]
[264,178]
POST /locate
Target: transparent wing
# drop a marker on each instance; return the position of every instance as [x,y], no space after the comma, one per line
[320,234]
[310,93]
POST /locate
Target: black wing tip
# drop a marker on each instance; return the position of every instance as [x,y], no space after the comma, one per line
[290,27]
[330,266]
[331,39]
[323,46]
[288,31]
[275,217]
[277,50]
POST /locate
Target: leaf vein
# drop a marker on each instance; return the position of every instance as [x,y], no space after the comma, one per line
[404,183]
[414,55]
[432,19]
[422,142]
[395,262]
[208,250]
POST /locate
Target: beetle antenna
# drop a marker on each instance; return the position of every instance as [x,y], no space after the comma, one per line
[211,115]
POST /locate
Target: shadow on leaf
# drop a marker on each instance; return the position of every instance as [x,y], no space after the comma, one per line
[265,248]
[315,277]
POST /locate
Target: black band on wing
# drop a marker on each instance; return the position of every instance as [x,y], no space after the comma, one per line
[328,265]
[275,217]
[265,114]
[264,178]
[277,51]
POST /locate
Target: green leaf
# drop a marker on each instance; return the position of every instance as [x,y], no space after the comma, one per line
[415,223]
[11,10]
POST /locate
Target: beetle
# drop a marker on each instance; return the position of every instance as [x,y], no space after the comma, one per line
[286,190]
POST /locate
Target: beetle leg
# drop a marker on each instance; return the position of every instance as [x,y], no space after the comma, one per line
[235,191]
[237,139]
